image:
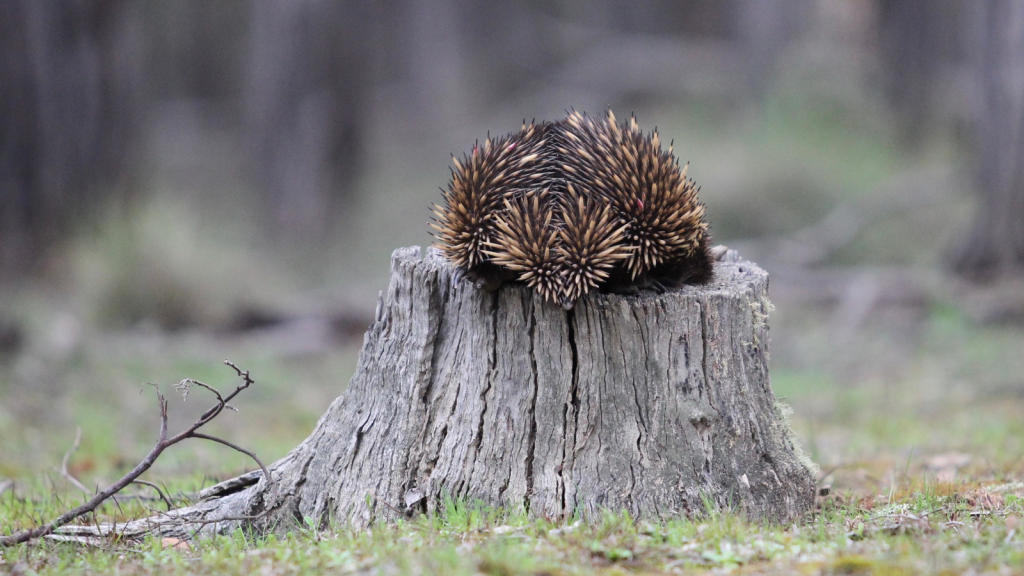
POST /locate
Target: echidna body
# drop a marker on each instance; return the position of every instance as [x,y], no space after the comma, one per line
[526,242]
[644,186]
[480,184]
[592,243]
[574,206]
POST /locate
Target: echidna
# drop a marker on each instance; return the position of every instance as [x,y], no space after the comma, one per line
[574,206]
[481,184]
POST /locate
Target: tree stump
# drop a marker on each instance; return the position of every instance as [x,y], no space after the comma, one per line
[658,404]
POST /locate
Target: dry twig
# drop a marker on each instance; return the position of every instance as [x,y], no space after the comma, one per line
[64,464]
[162,444]
[163,496]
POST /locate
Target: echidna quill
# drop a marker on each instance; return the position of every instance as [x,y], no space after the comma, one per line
[571,207]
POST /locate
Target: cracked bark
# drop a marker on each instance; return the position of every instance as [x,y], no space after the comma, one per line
[656,404]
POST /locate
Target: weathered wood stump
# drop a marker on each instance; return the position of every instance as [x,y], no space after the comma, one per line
[655,403]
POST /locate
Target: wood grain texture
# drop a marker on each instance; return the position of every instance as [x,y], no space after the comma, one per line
[659,404]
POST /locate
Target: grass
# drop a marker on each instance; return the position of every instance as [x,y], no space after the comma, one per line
[926,528]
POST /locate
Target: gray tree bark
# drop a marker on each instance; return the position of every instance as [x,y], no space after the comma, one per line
[307,97]
[994,247]
[70,76]
[658,404]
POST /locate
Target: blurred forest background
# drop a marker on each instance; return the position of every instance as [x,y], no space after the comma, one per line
[191,180]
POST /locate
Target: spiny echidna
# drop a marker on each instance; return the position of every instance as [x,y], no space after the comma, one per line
[574,206]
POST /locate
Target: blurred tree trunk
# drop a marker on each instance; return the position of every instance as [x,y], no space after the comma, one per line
[307,105]
[918,39]
[763,29]
[995,245]
[511,56]
[436,52]
[904,27]
[69,85]
[196,50]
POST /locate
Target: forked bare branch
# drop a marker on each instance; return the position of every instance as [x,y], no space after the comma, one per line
[162,444]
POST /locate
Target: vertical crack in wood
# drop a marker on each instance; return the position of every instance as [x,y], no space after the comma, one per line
[438,322]
[704,346]
[415,454]
[495,301]
[533,403]
[570,320]
[640,424]
[491,375]
[705,388]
